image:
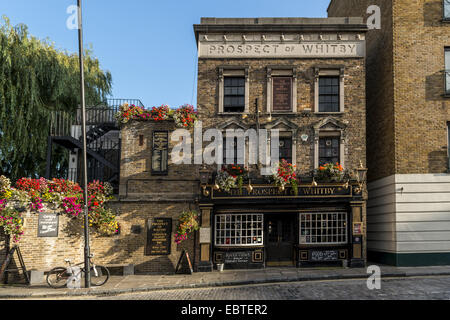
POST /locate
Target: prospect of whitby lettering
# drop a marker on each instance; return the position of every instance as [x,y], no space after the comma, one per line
[298,50]
[275,192]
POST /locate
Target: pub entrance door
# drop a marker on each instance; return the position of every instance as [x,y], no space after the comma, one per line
[280,230]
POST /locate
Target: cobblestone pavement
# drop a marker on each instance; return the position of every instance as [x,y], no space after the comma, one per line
[426,288]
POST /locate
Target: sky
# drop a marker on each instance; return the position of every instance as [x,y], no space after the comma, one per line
[148,46]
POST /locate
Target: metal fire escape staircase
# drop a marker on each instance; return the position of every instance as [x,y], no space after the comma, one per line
[102,137]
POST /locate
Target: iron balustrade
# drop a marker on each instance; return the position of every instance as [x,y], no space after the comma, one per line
[62,122]
[102,135]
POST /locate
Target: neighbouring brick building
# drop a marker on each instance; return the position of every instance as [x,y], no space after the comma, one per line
[408,117]
[304,77]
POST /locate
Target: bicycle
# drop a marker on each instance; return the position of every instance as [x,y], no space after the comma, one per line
[57,277]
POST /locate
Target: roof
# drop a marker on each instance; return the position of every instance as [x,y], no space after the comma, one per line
[227,25]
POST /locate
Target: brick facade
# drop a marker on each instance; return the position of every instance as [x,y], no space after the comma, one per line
[407,113]
[304,118]
[43,254]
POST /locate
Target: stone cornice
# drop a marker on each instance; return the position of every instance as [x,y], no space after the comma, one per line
[279,25]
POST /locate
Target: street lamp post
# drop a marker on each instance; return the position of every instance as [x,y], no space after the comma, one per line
[83,128]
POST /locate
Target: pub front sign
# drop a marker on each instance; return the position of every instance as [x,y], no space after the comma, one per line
[261,192]
[159,236]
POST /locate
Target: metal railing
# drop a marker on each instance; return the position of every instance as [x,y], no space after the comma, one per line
[103,138]
[62,122]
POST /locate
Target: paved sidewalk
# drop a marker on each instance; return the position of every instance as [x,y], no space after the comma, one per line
[119,285]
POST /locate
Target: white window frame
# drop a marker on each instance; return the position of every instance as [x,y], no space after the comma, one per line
[217,235]
[339,219]
[233,72]
[281,72]
[334,134]
[447,70]
[325,72]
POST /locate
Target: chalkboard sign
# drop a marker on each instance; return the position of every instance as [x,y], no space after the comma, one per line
[159,237]
[48,225]
[237,257]
[184,254]
[324,255]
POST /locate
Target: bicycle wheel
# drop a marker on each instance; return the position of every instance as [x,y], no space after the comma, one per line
[99,276]
[57,277]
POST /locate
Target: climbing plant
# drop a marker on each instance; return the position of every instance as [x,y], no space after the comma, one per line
[35,79]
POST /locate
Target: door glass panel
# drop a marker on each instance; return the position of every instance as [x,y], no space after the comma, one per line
[286,231]
[273,231]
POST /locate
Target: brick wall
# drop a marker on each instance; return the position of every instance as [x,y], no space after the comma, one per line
[127,248]
[142,197]
[380,84]
[407,112]
[421,110]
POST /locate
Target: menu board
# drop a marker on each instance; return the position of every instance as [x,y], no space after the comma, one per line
[238,257]
[324,255]
[48,225]
[159,236]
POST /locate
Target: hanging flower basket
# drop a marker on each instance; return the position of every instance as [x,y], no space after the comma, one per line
[187,223]
[286,176]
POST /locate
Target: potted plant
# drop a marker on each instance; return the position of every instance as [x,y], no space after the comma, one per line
[187,223]
[185,116]
[330,173]
[231,176]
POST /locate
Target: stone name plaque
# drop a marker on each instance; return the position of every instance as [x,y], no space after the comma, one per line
[159,237]
[348,49]
[48,224]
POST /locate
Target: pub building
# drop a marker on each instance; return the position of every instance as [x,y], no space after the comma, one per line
[306,78]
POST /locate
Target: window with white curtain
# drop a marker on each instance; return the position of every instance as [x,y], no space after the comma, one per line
[239,229]
[323,228]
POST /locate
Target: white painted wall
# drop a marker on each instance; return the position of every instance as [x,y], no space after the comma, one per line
[409,214]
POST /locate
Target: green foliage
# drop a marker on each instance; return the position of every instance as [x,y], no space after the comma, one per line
[36,79]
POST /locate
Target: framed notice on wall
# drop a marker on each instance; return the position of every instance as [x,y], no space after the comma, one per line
[282,93]
[159,236]
[48,224]
[358,228]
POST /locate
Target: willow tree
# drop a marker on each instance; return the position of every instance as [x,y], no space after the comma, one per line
[36,79]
